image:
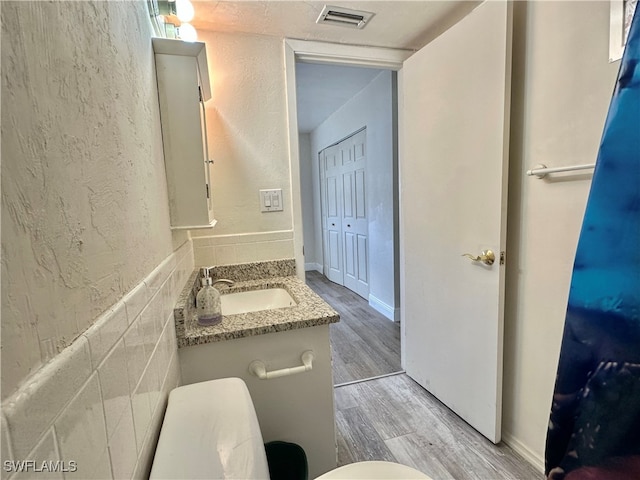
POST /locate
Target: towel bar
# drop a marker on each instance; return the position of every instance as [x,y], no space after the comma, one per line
[541,170]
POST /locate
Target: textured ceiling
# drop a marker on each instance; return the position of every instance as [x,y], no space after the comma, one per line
[323,89]
[397,24]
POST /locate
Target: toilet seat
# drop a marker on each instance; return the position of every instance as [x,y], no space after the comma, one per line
[373,470]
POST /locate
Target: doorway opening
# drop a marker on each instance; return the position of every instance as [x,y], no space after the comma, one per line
[348,180]
[455,151]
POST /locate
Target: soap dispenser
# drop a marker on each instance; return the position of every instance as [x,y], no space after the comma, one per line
[208,301]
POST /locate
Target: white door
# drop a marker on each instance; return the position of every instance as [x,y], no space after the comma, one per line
[344,209]
[453,175]
[332,202]
[354,217]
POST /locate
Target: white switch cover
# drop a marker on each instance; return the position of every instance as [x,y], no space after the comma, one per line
[271,200]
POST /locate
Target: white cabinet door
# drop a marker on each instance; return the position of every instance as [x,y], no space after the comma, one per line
[181,70]
[206,157]
[453,201]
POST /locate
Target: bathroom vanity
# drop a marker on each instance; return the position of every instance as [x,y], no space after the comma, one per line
[297,407]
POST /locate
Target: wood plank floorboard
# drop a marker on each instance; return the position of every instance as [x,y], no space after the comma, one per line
[364,343]
[395,419]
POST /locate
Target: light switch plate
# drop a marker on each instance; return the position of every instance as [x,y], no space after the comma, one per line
[271,200]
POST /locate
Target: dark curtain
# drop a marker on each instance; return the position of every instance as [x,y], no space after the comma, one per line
[594,428]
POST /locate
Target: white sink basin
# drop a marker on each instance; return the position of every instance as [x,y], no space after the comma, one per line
[255,301]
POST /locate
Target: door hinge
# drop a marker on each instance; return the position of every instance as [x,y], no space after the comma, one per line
[502,256]
[207,185]
[199,93]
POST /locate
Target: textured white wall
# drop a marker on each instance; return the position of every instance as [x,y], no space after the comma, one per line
[248,140]
[371,107]
[562,85]
[84,202]
[247,132]
[87,255]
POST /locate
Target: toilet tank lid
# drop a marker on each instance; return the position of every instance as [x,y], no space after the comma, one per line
[210,430]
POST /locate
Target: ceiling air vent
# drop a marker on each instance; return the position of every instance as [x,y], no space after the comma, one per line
[344,17]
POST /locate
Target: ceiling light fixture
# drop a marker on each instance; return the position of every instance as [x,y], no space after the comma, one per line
[184,10]
[187,33]
[344,17]
[170,19]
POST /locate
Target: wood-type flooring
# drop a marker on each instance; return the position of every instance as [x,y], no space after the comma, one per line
[364,343]
[393,418]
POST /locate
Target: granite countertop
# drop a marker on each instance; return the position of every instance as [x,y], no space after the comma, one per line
[310,310]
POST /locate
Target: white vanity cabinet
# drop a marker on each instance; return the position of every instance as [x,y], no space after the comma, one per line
[183,87]
[297,408]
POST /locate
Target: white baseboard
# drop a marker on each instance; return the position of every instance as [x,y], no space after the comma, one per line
[313,266]
[386,310]
[524,451]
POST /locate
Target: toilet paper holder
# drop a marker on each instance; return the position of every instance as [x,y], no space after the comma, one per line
[258,368]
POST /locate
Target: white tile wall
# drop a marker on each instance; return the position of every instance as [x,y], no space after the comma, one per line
[45,451]
[244,248]
[33,408]
[122,447]
[81,431]
[116,392]
[100,402]
[6,447]
[106,331]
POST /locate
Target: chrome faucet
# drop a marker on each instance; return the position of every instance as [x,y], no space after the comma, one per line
[205,273]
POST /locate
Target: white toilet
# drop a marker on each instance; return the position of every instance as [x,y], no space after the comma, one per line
[210,430]
[373,471]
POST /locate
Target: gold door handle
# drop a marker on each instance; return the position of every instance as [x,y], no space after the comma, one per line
[487,257]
